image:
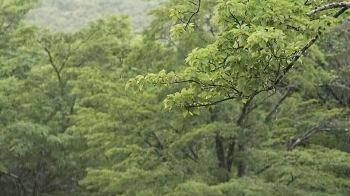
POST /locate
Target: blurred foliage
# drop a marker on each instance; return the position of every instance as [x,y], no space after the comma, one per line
[73,14]
[69,127]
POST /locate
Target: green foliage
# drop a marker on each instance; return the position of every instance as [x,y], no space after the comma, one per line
[258,43]
[264,42]
[68,126]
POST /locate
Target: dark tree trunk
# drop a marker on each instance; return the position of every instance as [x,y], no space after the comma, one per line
[224,154]
[220,153]
[241,166]
[230,154]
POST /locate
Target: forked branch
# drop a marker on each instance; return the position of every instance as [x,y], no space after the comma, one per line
[193,13]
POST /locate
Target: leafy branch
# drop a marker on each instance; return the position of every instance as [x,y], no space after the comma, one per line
[298,53]
[180,15]
[194,13]
[236,89]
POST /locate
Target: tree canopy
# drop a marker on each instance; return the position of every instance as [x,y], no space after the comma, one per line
[211,98]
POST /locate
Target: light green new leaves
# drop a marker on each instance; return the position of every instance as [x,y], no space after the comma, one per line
[257,42]
[178,29]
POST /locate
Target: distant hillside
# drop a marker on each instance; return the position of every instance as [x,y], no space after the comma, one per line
[71,14]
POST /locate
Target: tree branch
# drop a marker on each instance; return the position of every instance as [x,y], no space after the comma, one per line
[243,112]
[344,5]
[230,153]
[297,54]
[342,86]
[340,12]
[53,64]
[291,179]
[18,179]
[279,102]
[292,144]
[65,59]
[264,168]
[194,154]
[194,13]
[208,104]
[220,153]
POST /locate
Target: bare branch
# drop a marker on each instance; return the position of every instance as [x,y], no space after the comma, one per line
[311,131]
[194,3]
[292,144]
[343,87]
[243,112]
[264,168]
[340,12]
[194,13]
[296,56]
[230,153]
[53,64]
[330,6]
[292,178]
[211,103]
[219,149]
[260,102]
[279,102]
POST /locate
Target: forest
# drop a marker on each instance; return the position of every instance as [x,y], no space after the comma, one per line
[174,98]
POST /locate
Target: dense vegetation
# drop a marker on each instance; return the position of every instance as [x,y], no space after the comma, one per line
[211,98]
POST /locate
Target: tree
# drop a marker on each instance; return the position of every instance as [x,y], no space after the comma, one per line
[38,102]
[268,107]
[251,60]
[266,42]
[137,134]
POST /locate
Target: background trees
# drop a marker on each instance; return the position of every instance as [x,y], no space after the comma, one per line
[70,15]
[68,126]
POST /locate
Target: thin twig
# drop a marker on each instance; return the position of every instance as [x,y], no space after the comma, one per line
[194,13]
[279,102]
[264,168]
